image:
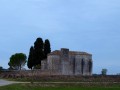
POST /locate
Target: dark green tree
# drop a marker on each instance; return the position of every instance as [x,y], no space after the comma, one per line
[47,48]
[104,72]
[38,51]
[17,61]
[30,62]
[1,68]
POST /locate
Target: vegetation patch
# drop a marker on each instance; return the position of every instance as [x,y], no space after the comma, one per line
[65,78]
[69,86]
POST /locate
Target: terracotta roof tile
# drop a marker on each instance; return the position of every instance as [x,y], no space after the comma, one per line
[58,52]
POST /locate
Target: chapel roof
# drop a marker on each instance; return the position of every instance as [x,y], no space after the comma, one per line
[58,52]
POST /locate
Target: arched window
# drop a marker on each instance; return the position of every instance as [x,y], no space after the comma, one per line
[90,66]
[74,65]
[82,65]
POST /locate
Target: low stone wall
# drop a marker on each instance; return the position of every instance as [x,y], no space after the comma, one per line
[38,75]
[28,73]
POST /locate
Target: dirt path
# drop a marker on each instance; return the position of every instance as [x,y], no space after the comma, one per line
[5,82]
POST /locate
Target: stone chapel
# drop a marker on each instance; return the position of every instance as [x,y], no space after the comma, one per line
[65,62]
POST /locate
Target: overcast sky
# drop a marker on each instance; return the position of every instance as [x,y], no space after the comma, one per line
[80,25]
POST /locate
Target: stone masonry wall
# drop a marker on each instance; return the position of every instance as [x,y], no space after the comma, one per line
[66,62]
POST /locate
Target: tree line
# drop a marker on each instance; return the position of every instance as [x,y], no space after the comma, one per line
[37,53]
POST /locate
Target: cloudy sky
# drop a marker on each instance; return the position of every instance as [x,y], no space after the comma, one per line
[83,25]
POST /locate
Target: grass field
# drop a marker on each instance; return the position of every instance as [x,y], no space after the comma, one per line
[60,87]
[86,83]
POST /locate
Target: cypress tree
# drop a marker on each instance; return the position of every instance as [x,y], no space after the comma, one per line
[38,51]
[47,48]
[30,62]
